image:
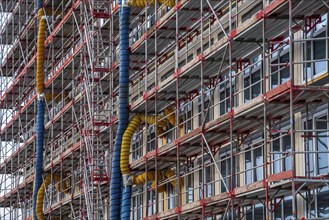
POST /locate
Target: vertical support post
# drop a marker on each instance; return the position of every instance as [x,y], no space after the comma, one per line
[231,113]
[178,190]
[291,109]
[264,90]
[202,110]
[146,191]
[155,106]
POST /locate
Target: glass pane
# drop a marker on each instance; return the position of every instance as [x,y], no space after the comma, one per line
[248,177]
[287,208]
[223,169]
[206,105]
[246,90]
[222,103]
[189,188]
[209,178]
[284,73]
[320,53]
[278,210]
[286,148]
[228,99]
[274,76]
[259,212]
[249,213]
[323,205]
[170,194]
[322,145]
[309,57]
[255,81]
[309,147]
[258,157]
[276,150]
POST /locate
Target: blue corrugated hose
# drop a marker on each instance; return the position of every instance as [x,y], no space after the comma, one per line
[126,202]
[39,153]
[116,179]
[39,4]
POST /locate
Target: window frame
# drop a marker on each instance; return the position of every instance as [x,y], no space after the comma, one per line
[223,87]
[248,73]
[313,34]
[276,59]
[207,97]
[314,141]
[186,110]
[254,144]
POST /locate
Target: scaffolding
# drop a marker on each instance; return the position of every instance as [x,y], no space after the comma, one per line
[248,83]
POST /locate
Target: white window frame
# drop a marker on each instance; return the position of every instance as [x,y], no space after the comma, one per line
[282,161]
[321,113]
[223,87]
[276,59]
[251,149]
[248,74]
[313,34]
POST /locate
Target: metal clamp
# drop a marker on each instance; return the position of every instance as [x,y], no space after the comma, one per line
[41,96]
[127,179]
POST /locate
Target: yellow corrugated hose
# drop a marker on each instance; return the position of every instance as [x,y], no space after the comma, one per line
[171,116]
[40,52]
[41,193]
[169,174]
[126,143]
[127,136]
[143,3]
[56,97]
[141,179]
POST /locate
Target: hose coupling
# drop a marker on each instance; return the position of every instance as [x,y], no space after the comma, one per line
[127,179]
[124,3]
[41,97]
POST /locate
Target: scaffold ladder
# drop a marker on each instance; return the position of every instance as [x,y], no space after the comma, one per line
[96,117]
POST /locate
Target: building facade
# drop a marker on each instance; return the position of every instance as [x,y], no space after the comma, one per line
[239,90]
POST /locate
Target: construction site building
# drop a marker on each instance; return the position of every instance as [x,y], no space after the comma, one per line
[239,91]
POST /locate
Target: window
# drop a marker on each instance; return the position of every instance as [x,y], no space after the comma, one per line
[186,111]
[281,153]
[252,12]
[317,50]
[150,21]
[317,142]
[137,205]
[151,201]
[137,146]
[206,104]
[208,180]
[224,95]
[253,164]
[280,73]
[150,139]
[322,145]
[189,188]
[225,169]
[170,133]
[170,196]
[284,209]
[252,83]
[209,175]
[206,46]
[255,212]
[322,198]
[221,34]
